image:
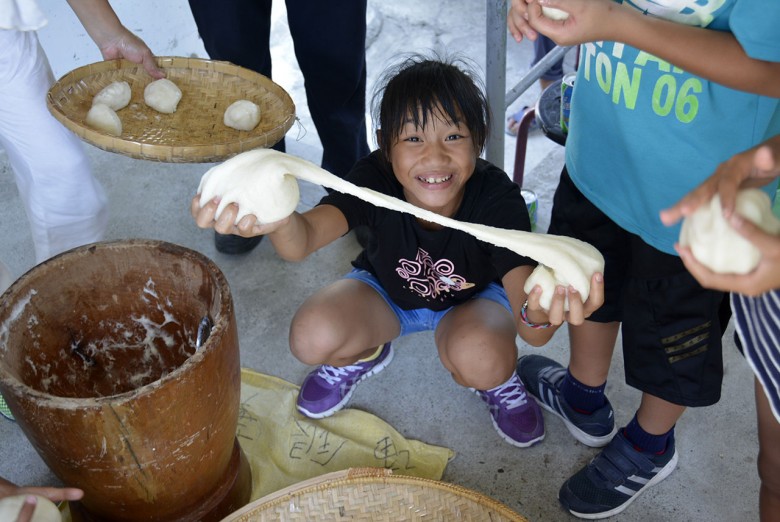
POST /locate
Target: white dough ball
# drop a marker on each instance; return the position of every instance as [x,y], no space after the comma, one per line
[103,118]
[263,189]
[242,115]
[45,510]
[716,245]
[554,14]
[162,95]
[116,95]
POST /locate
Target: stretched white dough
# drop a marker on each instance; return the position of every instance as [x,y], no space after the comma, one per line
[264,177]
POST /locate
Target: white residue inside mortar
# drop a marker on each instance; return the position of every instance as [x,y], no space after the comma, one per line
[115,355]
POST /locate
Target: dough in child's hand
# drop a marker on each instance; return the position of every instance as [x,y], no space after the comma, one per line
[162,95]
[269,192]
[116,95]
[242,115]
[545,278]
[714,242]
[103,118]
[45,510]
[554,14]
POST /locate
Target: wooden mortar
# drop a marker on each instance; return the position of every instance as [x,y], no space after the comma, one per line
[98,363]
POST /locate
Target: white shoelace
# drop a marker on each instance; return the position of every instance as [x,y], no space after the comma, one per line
[335,374]
[511,393]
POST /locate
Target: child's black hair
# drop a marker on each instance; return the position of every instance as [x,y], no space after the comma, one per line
[418,86]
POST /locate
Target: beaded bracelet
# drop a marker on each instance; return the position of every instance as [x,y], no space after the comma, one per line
[525,321]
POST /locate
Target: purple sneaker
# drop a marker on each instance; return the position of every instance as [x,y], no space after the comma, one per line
[516,416]
[328,388]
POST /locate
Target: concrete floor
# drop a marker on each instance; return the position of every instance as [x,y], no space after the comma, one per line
[716,477]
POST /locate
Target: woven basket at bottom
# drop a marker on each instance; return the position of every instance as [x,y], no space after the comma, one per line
[374,494]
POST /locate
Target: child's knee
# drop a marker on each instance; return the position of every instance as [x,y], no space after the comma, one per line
[313,343]
[481,368]
[306,347]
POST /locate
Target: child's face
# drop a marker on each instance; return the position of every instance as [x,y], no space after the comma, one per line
[434,163]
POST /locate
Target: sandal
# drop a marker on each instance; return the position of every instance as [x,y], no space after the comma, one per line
[513,122]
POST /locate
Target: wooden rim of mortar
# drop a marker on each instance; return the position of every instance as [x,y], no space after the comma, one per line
[219,326]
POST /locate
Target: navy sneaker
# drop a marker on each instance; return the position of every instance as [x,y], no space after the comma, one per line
[614,478]
[327,389]
[542,378]
[516,416]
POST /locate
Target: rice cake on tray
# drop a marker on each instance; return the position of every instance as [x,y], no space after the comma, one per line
[195,133]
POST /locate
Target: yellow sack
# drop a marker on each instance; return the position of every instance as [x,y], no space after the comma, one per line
[284,447]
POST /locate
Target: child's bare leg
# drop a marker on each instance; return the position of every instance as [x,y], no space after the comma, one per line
[341,323]
[657,416]
[476,343]
[768,458]
[592,345]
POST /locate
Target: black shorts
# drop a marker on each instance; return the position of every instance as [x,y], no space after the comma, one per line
[671,325]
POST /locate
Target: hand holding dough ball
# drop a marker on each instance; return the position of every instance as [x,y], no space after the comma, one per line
[545,279]
[554,14]
[242,115]
[104,119]
[271,192]
[45,510]
[162,95]
[719,247]
[116,95]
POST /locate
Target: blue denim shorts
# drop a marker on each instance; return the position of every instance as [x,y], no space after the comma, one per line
[423,319]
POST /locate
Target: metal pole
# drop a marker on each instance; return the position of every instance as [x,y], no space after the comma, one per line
[534,74]
[495,81]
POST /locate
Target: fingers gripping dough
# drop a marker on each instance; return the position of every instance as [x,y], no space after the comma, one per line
[45,510]
[554,14]
[257,178]
[263,189]
[719,247]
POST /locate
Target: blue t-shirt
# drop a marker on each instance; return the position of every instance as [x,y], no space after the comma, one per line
[644,133]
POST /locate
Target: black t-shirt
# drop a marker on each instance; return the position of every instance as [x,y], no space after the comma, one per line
[434,269]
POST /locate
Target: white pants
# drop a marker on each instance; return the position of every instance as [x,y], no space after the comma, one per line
[65,204]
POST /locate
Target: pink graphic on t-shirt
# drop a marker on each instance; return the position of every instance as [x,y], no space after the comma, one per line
[428,278]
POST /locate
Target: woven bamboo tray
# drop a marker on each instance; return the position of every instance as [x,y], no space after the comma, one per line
[376,495]
[195,132]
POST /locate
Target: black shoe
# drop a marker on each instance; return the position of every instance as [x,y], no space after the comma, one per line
[231,244]
[615,478]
